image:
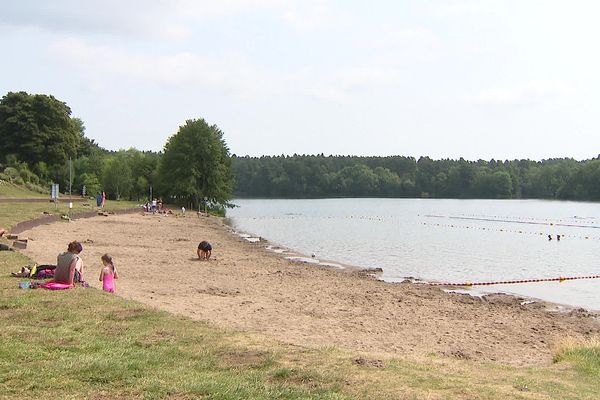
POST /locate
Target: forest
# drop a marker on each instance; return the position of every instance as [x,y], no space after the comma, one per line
[41,143]
[306,176]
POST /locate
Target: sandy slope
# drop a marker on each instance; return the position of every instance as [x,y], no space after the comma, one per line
[248,288]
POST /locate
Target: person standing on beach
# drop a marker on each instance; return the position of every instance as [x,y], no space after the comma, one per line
[204,250]
[108,274]
[103,199]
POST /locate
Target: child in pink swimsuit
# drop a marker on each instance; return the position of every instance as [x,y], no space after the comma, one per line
[108,274]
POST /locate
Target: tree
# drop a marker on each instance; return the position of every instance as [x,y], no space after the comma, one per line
[116,177]
[357,180]
[86,146]
[37,128]
[388,182]
[196,165]
[494,185]
[91,183]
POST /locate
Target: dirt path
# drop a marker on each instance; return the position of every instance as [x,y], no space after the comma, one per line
[246,287]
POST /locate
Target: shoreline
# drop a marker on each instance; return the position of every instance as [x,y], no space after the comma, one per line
[296,256]
[249,288]
[289,253]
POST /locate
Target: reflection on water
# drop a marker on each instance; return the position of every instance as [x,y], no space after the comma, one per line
[443,240]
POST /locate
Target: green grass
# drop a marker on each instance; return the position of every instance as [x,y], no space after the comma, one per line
[8,189]
[84,343]
[13,213]
[584,354]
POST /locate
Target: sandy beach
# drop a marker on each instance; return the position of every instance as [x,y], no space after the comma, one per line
[245,287]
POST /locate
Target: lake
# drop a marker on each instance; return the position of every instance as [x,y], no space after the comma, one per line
[443,240]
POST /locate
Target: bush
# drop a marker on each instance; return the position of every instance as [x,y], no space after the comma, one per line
[28,176]
[12,174]
[36,188]
[216,209]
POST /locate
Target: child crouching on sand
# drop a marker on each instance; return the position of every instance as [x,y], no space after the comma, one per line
[204,250]
[108,274]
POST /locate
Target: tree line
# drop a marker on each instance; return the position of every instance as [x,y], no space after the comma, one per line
[307,176]
[41,142]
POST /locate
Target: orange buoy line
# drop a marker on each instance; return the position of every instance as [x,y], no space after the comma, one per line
[513,221]
[559,279]
[488,229]
[589,220]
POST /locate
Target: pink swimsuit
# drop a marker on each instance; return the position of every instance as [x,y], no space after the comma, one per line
[108,282]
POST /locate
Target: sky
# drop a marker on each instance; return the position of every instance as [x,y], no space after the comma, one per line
[475,79]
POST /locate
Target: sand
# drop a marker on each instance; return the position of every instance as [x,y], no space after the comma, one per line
[248,288]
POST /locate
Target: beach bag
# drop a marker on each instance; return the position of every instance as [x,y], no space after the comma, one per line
[44,274]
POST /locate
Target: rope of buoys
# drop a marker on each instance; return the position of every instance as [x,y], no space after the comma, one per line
[291,217]
[559,279]
[513,221]
[562,235]
[589,220]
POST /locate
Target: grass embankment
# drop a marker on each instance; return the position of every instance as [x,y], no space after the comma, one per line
[84,343]
[13,213]
[8,189]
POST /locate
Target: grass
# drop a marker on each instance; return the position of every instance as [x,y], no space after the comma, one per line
[8,189]
[584,354]
[84,343]
[13,213]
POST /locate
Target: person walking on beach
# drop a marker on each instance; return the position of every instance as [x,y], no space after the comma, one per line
[204,250]
[108,274]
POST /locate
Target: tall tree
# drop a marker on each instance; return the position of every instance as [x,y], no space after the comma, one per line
[116,176]
[37,128]
[196,165]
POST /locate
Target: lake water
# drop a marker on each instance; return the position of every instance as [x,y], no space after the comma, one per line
[444,240]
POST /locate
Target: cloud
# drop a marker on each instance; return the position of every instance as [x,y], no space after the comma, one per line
[231,73]
[158,18]
[306,16]
[531,93]
[457,9]
[172,19]
[299,15]
[410,35]
[227,73]
[209,8]
[352,83]
[364,77]
[67,15]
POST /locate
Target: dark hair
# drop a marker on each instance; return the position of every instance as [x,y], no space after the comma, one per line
[108,259]
[75,247]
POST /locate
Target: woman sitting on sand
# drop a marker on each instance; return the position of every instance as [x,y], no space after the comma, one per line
[69,267]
